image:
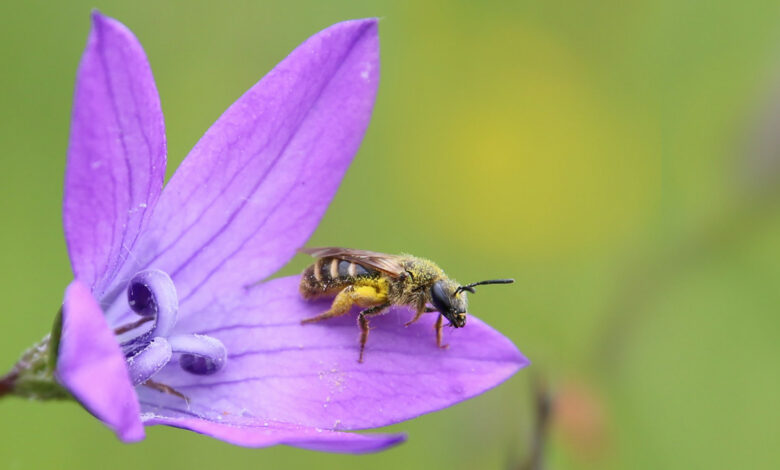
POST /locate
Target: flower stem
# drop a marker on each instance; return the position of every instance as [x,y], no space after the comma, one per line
[7,382]
[33,375]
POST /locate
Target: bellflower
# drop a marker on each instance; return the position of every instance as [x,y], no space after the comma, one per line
[165,322]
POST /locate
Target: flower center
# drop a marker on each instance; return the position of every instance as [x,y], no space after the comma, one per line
[152,295]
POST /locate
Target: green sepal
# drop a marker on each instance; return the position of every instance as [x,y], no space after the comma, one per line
[33,375]
[54,342]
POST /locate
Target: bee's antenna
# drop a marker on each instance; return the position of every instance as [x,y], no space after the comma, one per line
[470,287]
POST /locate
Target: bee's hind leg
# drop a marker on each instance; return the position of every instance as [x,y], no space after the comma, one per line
[438,328]
[363,323]
[375,299]
[340,306]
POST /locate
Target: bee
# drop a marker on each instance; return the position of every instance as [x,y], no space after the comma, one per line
[376,281]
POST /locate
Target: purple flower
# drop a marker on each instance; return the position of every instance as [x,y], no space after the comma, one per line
[165,322]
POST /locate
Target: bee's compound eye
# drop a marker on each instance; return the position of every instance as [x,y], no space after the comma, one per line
[439,298]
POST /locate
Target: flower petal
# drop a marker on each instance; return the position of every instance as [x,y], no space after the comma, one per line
[309,375]
[273,433]
[254,188]
[116,153]
[91,366]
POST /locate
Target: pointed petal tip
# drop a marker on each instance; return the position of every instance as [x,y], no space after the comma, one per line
[103,24]
[360,29]
[522,361]
[96,16]
[423,377]
[131,435]
[117,133]
[356,23]
[302,122]
[504,349]
[519,358]
[362,22]
[99,20]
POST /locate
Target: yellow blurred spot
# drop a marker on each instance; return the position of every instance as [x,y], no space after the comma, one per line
[539,154]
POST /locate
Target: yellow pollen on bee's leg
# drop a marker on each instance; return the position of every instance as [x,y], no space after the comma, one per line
[373,296]
[368,296]
[364,296]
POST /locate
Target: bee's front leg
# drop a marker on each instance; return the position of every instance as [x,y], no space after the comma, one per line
[420,311]
[417,315]
[363,323]
[438,328]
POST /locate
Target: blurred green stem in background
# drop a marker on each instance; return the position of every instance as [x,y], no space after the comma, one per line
[543,407]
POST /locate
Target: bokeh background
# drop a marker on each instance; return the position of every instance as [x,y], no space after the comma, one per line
[621,160]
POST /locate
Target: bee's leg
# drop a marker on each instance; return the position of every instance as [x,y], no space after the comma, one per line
[438,328]
[340,306]
[373,297]
[417,316]
[363,323]
[421,309]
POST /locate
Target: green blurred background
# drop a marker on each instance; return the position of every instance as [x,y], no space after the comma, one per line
[619,159]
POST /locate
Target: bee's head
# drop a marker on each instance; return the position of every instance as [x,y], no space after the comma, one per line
[449,298]
[450,302]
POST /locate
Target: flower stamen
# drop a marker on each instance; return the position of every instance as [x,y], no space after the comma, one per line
[200,354]
[148,361]
[152,295]
[166,389]
[131,326]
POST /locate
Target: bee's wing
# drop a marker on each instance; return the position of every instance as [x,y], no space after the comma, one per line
[389,264]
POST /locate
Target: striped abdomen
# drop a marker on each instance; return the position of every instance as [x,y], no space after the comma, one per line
[327,276]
